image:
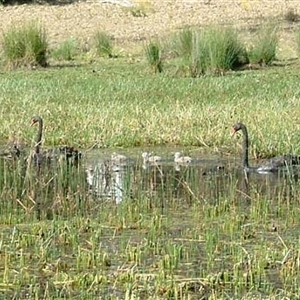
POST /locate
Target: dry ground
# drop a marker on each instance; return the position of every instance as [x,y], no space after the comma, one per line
[80,20]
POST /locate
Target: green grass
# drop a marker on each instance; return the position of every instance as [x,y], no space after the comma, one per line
[66,50]
[298,43]
[264,46]
[180,235]
[176,234]
[211,50]
[25,46]
[153,55]
[116,104]
[103,44]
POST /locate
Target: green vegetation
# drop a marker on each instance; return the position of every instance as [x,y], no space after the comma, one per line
[292,16]
[25,46]
[210,50]
[298,43]
[153,54]
[115,104]
[138,11]
[264,48]
[103,44]
[66,50]
[176,234]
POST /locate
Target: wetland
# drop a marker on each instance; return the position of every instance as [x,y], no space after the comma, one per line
[102,229]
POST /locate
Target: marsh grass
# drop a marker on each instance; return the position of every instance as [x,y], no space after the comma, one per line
[264,46]
[138,11]
[66,50]
[154,56]
[210,50]
[129,107]
[79,245]
[176,234]
[291,16]
[103,44]
[25,46]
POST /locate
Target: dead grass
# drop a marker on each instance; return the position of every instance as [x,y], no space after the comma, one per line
[82,19]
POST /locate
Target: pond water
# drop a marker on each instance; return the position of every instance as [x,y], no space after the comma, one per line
[208,178]
[128,229]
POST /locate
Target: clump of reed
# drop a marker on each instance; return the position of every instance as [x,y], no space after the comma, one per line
[103,43]
[25,46]
[263,50]
[154,56]
[66,50]
[209,51]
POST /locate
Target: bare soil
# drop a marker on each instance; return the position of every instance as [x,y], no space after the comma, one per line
[80,20]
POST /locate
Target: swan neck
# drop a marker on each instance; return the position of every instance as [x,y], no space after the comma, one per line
[245,146]
[39,136]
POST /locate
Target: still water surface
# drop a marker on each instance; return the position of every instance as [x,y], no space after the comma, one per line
[208,178]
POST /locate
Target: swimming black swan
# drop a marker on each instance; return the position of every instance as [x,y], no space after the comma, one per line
[12,153]
[71,154]
[271,165]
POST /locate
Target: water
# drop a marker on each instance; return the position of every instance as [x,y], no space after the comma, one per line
[211,189]
[207,178]
[119,227]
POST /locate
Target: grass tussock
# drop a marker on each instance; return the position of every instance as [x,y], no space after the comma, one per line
[292,16]
[103,44]
[263,50]
[25,46]
[67,50]
[154,56]
[209,50]
[139,9]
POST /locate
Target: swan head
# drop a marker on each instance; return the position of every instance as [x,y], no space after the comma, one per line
[34,120]
[236,127]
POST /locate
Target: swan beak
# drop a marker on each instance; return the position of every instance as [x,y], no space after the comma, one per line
[233,132]
[32,122]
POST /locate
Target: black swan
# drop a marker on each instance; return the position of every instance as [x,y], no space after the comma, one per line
[271,165]
[71,154]
[12,153]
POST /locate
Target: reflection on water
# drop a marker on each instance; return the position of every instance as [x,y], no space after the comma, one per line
[207,180]
[105,180]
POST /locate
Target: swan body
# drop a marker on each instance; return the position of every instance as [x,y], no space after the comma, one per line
[71,154]
[149,158]
[12,153]
[178,159]
[271,165]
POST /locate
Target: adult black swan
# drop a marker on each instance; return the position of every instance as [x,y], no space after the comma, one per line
[71,154]
[272,165]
